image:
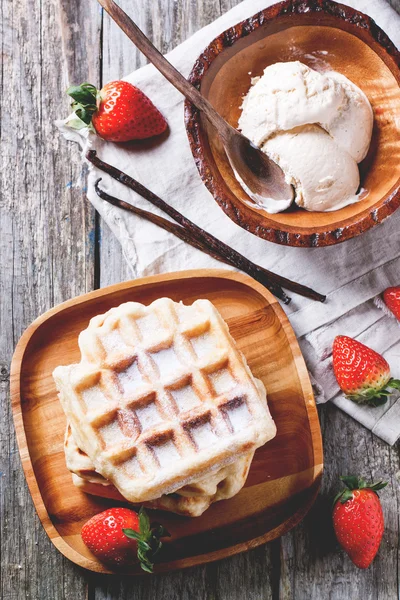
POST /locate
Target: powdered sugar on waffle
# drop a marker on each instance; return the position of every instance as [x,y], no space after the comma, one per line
[191,500]
[162,397]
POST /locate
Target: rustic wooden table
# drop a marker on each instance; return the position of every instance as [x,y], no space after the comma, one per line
[53,246]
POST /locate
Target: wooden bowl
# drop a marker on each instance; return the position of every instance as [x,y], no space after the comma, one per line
[285,474]
[315,32]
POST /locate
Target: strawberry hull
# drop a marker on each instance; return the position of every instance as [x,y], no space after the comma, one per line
[362,374]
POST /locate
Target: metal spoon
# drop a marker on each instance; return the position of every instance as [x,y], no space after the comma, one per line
[260,176]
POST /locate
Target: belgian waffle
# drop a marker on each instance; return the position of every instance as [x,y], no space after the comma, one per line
[190,501]
[162,397]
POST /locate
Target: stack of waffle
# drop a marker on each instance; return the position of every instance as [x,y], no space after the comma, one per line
[162,409]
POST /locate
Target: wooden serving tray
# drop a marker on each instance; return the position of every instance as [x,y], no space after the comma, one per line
[285,474]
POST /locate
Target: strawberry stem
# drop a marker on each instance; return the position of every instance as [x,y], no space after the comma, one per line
[148,540]
[85,100]
[374,397]
[353,482]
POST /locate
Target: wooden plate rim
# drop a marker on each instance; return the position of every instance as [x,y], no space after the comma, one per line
[15,394]
[261,225]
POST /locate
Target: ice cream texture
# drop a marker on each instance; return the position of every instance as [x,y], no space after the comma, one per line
[316,127]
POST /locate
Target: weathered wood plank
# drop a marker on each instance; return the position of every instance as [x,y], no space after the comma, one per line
[248,576]
[313,566]
[120,57]
[46,248]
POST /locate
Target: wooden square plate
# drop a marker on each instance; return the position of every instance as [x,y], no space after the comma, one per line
[285,474]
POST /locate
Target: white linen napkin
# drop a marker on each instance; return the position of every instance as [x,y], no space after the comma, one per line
[351,274]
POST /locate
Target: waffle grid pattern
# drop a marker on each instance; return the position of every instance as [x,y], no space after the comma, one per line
[166,387]
[190,500]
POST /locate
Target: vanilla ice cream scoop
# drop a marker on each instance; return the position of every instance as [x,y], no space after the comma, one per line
[315,126]
[324,176]
[351,125]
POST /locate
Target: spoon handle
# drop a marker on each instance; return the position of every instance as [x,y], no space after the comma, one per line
[162,64]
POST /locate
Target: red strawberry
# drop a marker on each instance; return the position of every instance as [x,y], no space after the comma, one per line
[358,520]
[362,374]
[121,536]
[391,298]
[119,112]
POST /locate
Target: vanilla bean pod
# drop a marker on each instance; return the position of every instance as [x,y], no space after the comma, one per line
[223,250]
[179,231]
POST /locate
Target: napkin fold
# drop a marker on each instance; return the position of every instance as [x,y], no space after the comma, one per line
[351,274]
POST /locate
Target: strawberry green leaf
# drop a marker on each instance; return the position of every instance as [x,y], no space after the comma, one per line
[144,559]
[132,534]
[84,106]
[378,401]
[85,93]
[370,397]
[346,495]
[144,522]
[148,540]
[378,486]
[342,496]
[336,498]
[352,482]
[84,114]
[373,397]
[394,383]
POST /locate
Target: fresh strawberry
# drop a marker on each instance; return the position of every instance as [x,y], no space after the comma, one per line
[119,112]
[362,374]
[121,536]
[391,297]
[358,520]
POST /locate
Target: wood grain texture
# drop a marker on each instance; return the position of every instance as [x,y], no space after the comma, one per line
[305,564]
[320,567]
[285,474]
[120,57]
[46,252]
